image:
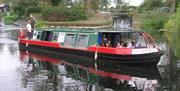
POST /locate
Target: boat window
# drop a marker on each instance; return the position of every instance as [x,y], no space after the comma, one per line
[48,35]
[125,36]
[61,37]
[69,40]
[106,39]
[141,42]
[128,36]
[55,36]
[117,40]
[82,40]
[37,35]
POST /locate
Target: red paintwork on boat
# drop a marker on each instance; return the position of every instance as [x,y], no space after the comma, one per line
[121,51]
[108,50]
[40,43]
[72,48]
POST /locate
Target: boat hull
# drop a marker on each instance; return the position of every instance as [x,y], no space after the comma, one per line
[151,58]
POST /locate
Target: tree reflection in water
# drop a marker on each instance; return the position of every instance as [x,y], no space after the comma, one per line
[42,73]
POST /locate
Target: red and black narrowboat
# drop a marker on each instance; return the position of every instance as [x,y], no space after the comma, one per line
[117,46]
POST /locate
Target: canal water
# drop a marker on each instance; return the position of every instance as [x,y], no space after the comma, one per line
[26,71]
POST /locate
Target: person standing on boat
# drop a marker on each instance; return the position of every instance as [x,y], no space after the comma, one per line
[33,21]
[29,29]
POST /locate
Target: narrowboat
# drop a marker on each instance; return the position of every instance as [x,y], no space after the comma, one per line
[116,46]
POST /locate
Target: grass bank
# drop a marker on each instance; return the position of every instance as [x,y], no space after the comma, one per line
[94,19]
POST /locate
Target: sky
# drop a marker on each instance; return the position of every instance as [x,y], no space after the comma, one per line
[131,2]
[134,2]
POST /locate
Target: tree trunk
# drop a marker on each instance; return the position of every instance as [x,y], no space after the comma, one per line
[173,6]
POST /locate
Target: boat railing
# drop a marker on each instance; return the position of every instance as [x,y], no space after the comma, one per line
[150,38]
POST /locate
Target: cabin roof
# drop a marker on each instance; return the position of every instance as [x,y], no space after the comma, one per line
[89,30]
[120,31]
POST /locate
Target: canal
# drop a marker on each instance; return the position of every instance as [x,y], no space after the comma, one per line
[26,71]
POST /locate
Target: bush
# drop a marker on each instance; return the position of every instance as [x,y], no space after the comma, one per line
[26,7]
[31,10]
[53,14]
[63,14]
[55,2]
[40,24]
[10,19]
[153,20]
[76,13]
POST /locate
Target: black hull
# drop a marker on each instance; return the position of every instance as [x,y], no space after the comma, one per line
[152,58]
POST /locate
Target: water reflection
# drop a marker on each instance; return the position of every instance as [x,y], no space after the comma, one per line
[57,74]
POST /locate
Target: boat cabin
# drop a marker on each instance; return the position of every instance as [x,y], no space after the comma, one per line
[125,39]
[67,37]
[84,38]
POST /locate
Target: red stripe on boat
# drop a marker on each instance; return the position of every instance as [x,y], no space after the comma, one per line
[41,43]
[122,51]
[108,50]
[49,44]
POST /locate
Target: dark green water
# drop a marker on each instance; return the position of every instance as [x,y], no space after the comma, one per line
[26,71]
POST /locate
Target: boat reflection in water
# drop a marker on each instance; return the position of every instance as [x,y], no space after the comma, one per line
[43,73]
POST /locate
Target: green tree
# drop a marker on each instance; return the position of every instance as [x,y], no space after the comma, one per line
[173,31]
[171,3]
[118,3]
[151,4]
[104,4]
[1,1]
[26,7]
[95,4]
[153,20]
[56,2]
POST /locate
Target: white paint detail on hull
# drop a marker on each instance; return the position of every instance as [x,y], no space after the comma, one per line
[144,50]
[26,44]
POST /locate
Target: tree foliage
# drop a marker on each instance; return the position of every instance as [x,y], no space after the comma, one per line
[26,7]
[63,14]
[150,4]
[153,20]
[90,5]
[118,3]
[55,2]
[104,4]
[95,4]
[173,31]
